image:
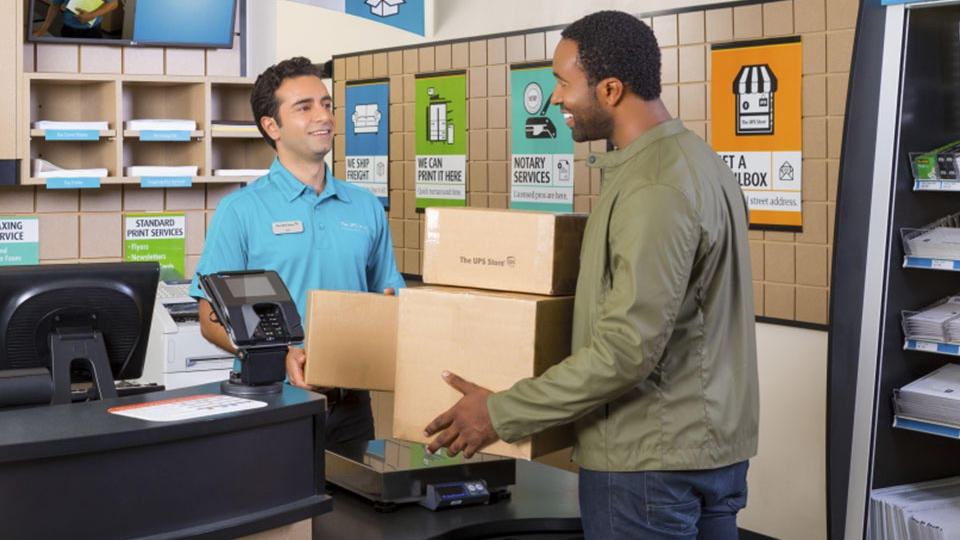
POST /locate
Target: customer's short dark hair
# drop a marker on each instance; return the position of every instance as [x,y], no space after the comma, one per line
[263,99]
[617,44]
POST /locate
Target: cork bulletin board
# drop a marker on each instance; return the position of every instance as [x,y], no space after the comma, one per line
[791,270]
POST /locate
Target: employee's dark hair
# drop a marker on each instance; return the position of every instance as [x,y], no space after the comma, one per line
[617,44]
[263,99]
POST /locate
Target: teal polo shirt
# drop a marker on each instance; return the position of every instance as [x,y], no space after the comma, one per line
[337,240]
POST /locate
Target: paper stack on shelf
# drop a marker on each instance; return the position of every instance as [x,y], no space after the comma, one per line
[937,243]
[240,172]
[49,124]
[232,126]
[934,397]
[160,124]
[151,170]
[940,322]
[927,510]
[44,169]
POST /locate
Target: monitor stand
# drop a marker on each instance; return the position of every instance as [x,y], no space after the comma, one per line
[68,345]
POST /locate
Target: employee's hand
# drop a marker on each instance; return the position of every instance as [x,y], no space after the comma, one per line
[84,16]
[390,291]
[466,427]
[296,359]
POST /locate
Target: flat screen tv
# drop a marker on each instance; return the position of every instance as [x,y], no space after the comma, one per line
[168,23]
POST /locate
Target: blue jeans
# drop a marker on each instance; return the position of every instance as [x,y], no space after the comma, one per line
[663,504]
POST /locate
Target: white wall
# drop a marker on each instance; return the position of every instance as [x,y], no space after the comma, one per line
[787,478]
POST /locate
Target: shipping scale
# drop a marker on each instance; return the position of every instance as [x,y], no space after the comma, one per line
[389,472]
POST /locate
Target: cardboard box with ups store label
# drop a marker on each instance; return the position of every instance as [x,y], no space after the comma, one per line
[506,250]
[490,338]
[351,339]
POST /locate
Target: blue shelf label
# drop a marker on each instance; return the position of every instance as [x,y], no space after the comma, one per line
[165,181]
[164,135]
[926,427]
[936,264]
[71,135]
[934,347]
[73,183]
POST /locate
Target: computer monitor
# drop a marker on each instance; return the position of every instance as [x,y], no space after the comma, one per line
[77,319]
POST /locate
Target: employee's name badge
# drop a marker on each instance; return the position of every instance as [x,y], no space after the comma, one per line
[287,227]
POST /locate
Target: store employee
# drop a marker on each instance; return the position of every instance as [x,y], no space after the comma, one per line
[314,230]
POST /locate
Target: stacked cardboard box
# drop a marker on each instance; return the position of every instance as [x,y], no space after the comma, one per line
[490,337]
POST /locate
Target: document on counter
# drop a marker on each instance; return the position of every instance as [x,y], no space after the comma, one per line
[186,408]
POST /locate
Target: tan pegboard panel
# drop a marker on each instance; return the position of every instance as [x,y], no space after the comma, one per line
[814,138]
[779,236]
[396,89]
[101,235]
[814,53]
[410,175]
[339,69]
[778,300]
[498,177]
[719,23]
[396,145]
[476,82]
[496,51]
[411,261]
[756,259]
[779,262]
[143,60]
[497,112]
[536,46]
[814,180]
[833,178]
[380,68]
[748,22]
[478,113]
[595,182]
[365,66]
[581,204]
[395,63]
[834,136]
[58,58]
[339,89]
[809,16]
[476,176]
[812,265]
[411,234]
[409,116]
[831,216]
[665,30]
[55,200]
[516,49]
[223,62]
[693,102]
[498,200]
[758,298]
[216,192]
[396,231]
[190,265]
[459,55]
[409,89]
[195,231]
[181,61]
[102,59]
[497,80]
[339,120]
[338,148]
[478,53]
[410,204]
[814,95]
[812,304]
[842,14]
[18,200]
[396,118]
[698,127]
[108,198]
[396,173]
[397,204]
[476,145]
[778,18]
[29,57]
[814,224]
[839,51]
[836,92]
[352,68]
[409,146]
[59,236]
[755,235]
[669,66]
[497,145]
[426,59]
[443,59]
[477,200]
[192,198]
[690,28]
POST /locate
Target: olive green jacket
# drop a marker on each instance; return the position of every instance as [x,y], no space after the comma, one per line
[663,374]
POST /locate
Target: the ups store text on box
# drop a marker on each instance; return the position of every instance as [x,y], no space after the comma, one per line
[507,250]
[351,340]
[490,338]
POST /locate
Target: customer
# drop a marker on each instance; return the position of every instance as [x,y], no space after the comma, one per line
[662,381]
[314,230]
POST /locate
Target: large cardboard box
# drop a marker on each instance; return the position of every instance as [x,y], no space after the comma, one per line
[490,338]
[351,339]
[507,250]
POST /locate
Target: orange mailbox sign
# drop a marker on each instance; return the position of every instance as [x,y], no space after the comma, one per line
[756,126]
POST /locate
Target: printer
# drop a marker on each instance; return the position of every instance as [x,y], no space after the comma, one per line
[177,353]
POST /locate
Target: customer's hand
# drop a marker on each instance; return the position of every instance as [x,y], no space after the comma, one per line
[466,427]
[296,360]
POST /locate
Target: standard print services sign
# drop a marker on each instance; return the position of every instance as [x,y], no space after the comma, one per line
[157,237]
[756,126]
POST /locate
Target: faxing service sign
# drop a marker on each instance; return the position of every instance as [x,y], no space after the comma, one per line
[756,126]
